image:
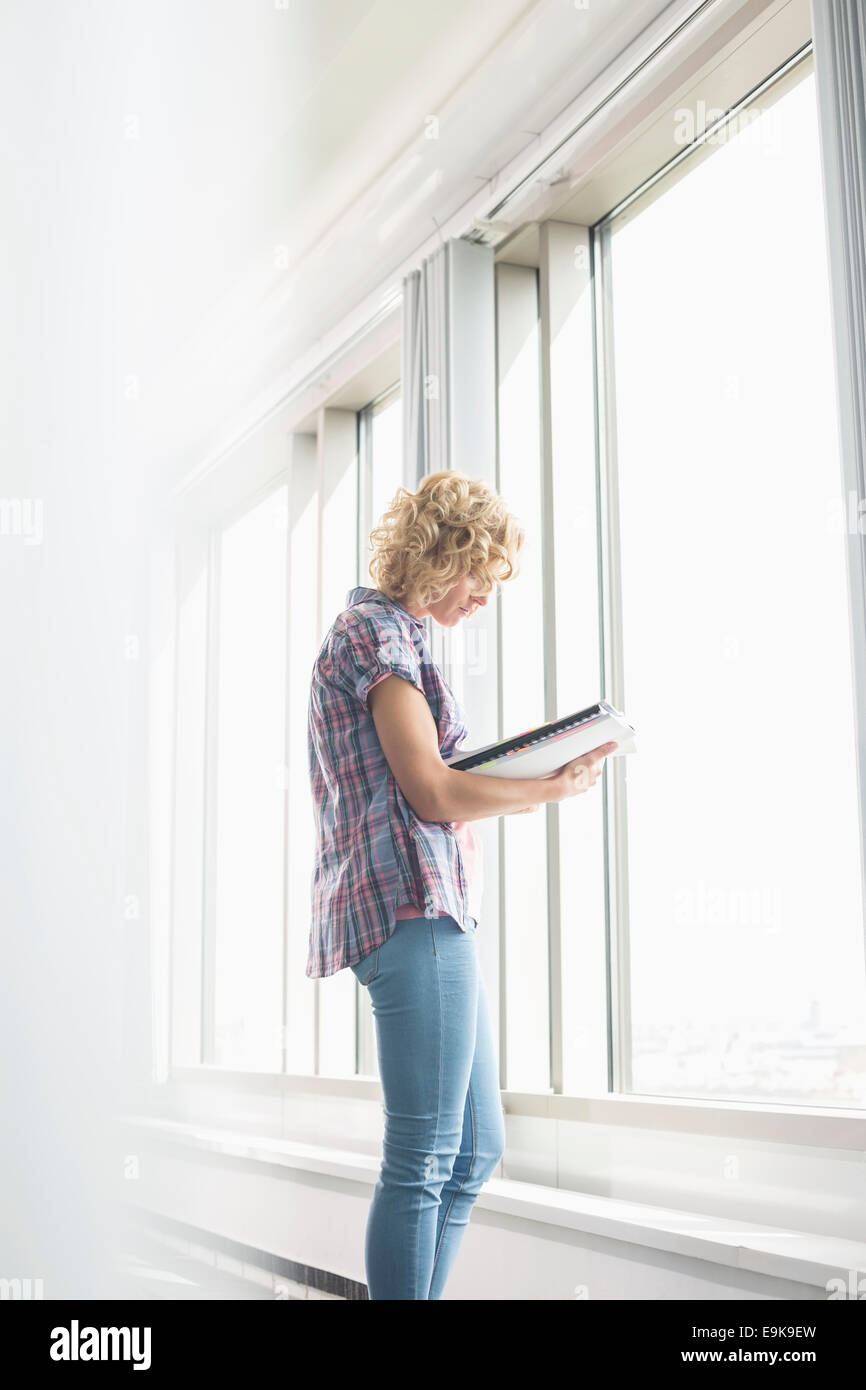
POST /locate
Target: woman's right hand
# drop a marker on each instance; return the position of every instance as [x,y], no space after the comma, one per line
[581,774]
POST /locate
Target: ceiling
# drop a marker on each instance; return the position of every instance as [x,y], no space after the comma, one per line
[238,174]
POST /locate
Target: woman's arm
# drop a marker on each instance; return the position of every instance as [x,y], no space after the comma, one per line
[407,733]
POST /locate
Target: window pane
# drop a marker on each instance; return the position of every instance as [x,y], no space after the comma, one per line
[525,976]
[304,641]
[745,919]
[249,791]
[188,906]
[386,455]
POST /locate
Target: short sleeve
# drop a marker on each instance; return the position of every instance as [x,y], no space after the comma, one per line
[368,651]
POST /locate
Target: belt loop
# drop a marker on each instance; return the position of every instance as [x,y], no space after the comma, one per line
[433,935]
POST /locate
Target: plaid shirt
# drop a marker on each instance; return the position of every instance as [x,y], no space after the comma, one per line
[372,851]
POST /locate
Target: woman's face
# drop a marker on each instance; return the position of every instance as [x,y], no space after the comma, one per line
[460,602]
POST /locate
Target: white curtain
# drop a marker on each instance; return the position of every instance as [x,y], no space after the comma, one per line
[839,39]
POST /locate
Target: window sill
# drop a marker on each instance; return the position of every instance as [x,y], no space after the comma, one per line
[809,1126]
[775,1252]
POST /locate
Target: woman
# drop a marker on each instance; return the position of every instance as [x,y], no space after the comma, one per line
[397,876]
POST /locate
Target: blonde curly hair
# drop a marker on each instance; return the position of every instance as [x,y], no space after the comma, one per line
[428,540]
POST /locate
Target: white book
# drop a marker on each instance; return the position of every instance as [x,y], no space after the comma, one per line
[544,749]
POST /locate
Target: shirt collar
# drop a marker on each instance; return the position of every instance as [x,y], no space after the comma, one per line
[362,595]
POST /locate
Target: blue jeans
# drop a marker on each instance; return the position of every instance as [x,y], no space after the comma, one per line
[444,1125]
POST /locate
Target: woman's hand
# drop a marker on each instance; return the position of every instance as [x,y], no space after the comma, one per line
[580,774]
[410,741]
[577,776]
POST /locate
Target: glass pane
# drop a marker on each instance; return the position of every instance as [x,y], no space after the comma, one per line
[188,907]
[386,471]
[526,973]
[745,916]
[304,643]
[250,791]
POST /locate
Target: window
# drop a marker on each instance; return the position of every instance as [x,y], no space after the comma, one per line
[247,780]
[740,926]
[523,843]
[380,467]
[265,562]
[667,436]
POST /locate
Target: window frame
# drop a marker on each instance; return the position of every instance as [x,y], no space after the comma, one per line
[795,68]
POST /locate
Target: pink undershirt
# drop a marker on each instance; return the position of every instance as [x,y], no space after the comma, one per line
[470,848]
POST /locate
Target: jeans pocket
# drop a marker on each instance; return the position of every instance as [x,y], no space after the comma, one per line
[367,969]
